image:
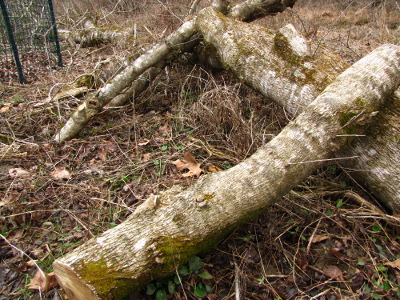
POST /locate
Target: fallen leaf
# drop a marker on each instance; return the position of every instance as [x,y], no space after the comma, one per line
[188,163]
[146,157]
[15,238]
[163,129]
[14,172]
[31,263]
[102,154]
[111,147]
[60,174]
[5,107]
[143,142]
[302,263]
[333,272]
[212,168]
[357,281]
[394,264]
[337,251]
[42,281]
[319,238]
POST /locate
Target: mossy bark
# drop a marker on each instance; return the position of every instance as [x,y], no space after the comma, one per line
[281,66]
[156,239]
[92,35]
[175,42]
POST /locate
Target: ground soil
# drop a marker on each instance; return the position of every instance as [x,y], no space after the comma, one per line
[321,241]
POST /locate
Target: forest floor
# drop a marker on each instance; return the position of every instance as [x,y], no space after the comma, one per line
[321,241]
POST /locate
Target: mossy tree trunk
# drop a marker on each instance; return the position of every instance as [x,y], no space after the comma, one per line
[281,66]
[155,239]
[174,43]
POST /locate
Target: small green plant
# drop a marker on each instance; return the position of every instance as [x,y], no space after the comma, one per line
[339,203]
[162,287]
[178,147]
[118,183]
[165,147]
[376,228]
[227,165]
[382,286]
[160,166]
[18,99]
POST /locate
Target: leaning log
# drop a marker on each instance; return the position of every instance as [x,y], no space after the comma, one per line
[175,42]
[281,66]
[155,239]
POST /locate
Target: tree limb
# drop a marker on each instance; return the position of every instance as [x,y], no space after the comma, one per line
[154,240]
[174,42]
[281,66]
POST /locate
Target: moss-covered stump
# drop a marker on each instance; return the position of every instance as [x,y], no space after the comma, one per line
[157,238]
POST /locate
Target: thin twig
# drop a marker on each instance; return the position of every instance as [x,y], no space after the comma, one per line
[322,160]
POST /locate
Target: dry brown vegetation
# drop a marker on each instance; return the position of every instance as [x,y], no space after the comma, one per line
[327,239]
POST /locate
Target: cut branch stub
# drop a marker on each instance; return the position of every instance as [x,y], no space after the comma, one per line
[155,239]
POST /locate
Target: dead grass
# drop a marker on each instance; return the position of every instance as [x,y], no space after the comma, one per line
[325,240]
[350,28]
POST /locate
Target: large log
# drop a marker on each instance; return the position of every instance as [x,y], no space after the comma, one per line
[175,42]
[280,65]
[155,239]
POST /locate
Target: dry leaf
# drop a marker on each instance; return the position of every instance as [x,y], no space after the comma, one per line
[394,264]
[212,168]
[102,154]
[60,174]
[14,172]
[333,272]
[319,238]
[31,263]
[5,107]
[43,282]
[143,142]
[188,163]
[337,251]
[164,129]
[146,157]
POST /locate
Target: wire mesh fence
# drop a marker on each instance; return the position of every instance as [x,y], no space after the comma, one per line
[28,40]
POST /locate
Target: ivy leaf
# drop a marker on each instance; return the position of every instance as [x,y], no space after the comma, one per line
[151,289]
[205,275]
[171,287]
[161,295]
[177,280]
[200,290]
[195,263]
[183,271]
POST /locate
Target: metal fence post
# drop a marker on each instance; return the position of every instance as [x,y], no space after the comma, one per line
[11,39]
[53,21]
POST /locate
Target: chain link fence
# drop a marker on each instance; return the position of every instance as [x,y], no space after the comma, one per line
[28,40]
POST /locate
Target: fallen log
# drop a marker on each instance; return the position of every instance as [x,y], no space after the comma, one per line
[155,239]
[91,35]
[280,66]
[175,42]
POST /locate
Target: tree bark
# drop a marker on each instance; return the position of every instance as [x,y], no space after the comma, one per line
[155,239]
[281,66]
[92,35]
[159,52]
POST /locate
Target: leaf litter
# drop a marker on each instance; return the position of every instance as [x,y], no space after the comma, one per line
[51,204]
